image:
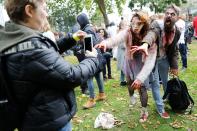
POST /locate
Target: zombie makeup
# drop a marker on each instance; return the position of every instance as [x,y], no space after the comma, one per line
[170,19]
[136,25]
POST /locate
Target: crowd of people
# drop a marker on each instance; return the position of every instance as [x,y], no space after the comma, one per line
[42,82]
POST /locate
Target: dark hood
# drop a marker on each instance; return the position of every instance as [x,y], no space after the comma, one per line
[13,33]
[82,19]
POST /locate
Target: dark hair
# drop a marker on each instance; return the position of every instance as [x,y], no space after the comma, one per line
[112,24]
[105,32]
[16,8]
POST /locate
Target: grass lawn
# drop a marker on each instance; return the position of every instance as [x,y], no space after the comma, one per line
[117,103]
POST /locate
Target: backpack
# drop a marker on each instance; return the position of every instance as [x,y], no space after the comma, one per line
[9,111]
[178,95]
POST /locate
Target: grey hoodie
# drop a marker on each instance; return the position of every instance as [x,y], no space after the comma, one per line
[13,33]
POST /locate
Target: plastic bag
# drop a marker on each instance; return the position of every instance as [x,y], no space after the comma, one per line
[104,120]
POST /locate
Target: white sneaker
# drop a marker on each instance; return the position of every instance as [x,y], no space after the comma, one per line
[133,99]
[143,115]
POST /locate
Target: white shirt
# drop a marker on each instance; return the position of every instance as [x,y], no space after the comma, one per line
[112,30]
[50,35]
[181,26]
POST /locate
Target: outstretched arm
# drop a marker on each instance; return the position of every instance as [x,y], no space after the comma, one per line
[147,67]
[119,38]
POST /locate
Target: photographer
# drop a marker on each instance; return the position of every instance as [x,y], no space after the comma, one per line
[40,79]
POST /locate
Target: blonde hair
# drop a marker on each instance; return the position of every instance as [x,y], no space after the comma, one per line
[46,26]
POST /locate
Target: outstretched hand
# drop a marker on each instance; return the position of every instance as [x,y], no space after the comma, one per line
[174,72]
[143,48]
[136,84]
[101,45]
[92,53]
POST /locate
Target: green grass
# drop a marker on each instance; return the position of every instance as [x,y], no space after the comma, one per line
[117,103]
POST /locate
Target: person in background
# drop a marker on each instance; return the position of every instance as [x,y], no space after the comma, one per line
[121,53]
[107,54]
[85,26]
[180,24]
[112,31]
[189,31]
[195,26]
[42,82]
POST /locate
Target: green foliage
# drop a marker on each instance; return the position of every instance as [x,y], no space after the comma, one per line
[63,13]
[119,4]
[156,5]
[97,18]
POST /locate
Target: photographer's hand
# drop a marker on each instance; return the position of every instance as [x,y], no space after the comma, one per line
[79,35]
[92,53]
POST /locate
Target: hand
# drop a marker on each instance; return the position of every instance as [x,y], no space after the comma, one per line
[136,84]
[92,53]
[143,48]
[133,49]
[80,35]
[174,72]
[101,45]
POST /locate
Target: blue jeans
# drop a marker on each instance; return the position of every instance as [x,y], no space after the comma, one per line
[67,127]
[163,68]
[155,86]
[183,53]
[122,76]
[100,84]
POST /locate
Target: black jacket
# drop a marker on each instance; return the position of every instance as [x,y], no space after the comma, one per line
[43,82]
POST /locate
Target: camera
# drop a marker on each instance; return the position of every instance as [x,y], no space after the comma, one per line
[88,42]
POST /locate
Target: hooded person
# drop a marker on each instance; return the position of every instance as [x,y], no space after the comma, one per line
[85,26]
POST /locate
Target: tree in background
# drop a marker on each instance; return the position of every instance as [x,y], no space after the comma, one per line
[155,5]
[63,13]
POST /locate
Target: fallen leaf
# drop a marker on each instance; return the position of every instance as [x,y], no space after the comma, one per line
[84,116]
[132,125]
[149,122]
[177,124]
[103,110]
[87,126]
[158,122]
[113,110]
[144,126]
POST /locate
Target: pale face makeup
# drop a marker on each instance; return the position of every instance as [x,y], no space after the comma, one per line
[170,18]
[136,25]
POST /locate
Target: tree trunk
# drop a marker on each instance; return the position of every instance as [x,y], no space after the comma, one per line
[102,8]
